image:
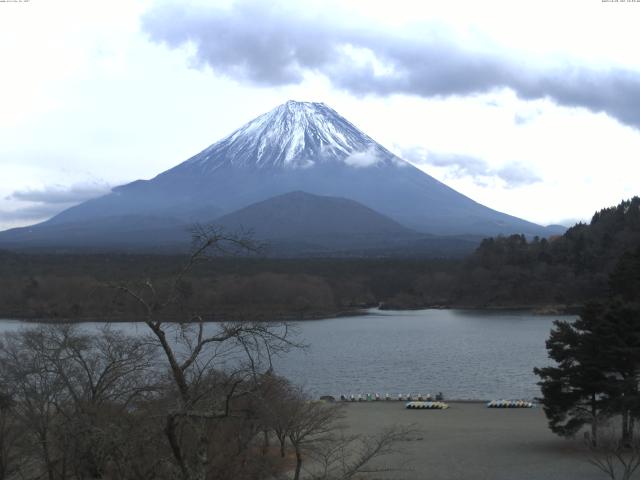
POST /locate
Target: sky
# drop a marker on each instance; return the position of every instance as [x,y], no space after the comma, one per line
[530,108]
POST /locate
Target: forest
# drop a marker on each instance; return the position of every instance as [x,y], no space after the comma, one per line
[555,274]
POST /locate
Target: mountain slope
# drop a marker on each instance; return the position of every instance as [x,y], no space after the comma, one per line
[124,233]
[298,146]
[293,224]
[323,222]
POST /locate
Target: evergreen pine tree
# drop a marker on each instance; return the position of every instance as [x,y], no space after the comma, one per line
[575,392]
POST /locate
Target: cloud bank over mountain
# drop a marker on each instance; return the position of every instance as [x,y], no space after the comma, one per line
[43,203]
[513,174]
[56,194]
[287,43]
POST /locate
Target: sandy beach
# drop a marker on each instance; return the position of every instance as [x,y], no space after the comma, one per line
[470,441]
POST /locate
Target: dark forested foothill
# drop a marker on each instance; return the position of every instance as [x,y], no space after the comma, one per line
[510,272]
[77,286]
[571,269]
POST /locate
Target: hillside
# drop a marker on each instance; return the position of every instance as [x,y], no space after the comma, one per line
[569,269]
[305,223]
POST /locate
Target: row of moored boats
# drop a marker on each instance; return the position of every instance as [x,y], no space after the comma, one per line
[427,401]
[375,397]
[426,406]
[509,404]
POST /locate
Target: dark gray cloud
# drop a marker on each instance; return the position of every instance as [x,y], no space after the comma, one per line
[253,41]
[61,194]
[458,166]
[265,43]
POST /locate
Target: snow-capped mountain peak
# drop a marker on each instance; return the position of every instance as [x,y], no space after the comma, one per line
[293,135]
[297,147]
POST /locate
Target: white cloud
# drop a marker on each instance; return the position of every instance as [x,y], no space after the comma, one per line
[511,175]
[60,194]
[366,158]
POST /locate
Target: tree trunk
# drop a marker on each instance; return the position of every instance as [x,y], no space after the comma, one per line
[170,432]
[298,464]
[203,456]
[265,445]
[625,427]
[44,443]
[282,444]
[594,422]
[49,463]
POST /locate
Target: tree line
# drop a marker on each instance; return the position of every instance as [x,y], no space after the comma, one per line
[513,271]
[567,270]
[75,287]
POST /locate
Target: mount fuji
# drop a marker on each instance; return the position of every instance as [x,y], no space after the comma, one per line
[296,147]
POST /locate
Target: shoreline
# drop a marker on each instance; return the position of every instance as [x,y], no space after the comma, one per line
[239,318]
[543,310]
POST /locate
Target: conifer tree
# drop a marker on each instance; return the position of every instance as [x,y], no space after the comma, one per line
[574,393]
[598,370]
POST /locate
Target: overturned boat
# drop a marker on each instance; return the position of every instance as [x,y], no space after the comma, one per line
[426,406]
[509,404]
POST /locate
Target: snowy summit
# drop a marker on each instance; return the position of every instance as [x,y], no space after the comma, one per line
[293,135]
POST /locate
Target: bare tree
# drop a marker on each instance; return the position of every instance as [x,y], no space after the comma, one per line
[616,457]
[70,390]
[311,423]
[37,392]
[103,375]
[10,435]
[193,350]
[276,396]
[343,457]
[314,429]
[322,450]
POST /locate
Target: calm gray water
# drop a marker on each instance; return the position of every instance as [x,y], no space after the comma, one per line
[464,354]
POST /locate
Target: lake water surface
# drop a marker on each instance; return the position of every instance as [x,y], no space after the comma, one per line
[464,354]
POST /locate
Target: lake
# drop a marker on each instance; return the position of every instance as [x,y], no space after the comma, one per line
[463,353]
